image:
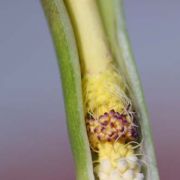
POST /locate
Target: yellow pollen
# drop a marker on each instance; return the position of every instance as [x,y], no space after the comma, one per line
[104,91]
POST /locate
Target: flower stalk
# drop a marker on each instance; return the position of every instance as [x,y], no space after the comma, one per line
[106,116]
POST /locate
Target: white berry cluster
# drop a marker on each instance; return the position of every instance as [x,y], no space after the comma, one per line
[127,168]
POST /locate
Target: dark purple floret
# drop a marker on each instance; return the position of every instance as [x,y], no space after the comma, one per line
[119,117]
[95,130]
[106,114]
[134,133]
[112,125]
[111,134]
[99,137]
[105,123]
[112,112]
[103,128]
[115,137]
[89,116]
[125,121]
[118,114]
[122,129]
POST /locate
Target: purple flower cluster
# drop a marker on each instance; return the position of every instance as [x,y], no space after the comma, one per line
[111,126]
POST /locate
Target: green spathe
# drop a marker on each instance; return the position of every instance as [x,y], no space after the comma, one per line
[68,58]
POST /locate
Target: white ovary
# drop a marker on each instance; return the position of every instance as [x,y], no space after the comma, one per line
[105,166]
[132,161]
[115,175]
[103,176]
[129,175]
[122,165]
[139,176]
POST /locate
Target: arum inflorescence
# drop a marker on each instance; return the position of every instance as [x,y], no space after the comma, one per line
[106,115]
[111,126]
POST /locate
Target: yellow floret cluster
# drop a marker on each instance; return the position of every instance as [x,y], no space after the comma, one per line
[102,93]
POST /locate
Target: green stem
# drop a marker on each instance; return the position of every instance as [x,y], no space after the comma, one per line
[68,60]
